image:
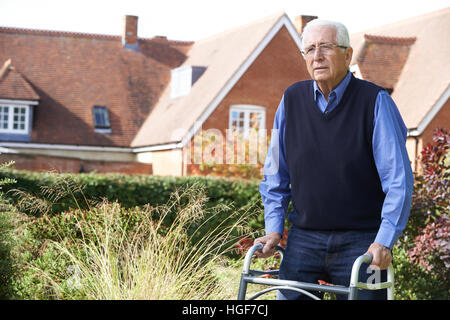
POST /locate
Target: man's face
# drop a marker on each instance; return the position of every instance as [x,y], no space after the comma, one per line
[326,66]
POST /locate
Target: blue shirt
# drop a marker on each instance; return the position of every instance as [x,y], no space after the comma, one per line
[389,152]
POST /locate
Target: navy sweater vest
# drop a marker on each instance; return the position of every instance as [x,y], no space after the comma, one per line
[334,180]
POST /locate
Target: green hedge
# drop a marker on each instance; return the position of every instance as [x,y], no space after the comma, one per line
[129,191]
[412,282]
[134,190]
[66,194]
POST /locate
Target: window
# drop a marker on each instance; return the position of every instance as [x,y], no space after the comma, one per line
[181,81]
[101,119]
[4,117]
[244,118]
[183,78]
[14,119]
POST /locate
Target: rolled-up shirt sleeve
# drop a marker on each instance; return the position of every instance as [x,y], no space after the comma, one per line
[394,169]
[275,187]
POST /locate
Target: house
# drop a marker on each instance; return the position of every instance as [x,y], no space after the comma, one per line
[411,59]
[84,102]
[109,103]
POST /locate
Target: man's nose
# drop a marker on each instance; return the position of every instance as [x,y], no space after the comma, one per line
[318,54]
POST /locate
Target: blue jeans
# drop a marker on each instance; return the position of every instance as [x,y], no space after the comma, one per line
[329,256]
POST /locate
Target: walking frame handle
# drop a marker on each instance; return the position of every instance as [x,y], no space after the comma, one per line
[251,252]
[354,281]
[355,284]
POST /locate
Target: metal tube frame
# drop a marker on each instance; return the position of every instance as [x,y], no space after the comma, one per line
[252,276]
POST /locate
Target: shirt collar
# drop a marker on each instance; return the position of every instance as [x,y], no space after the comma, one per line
[338,91]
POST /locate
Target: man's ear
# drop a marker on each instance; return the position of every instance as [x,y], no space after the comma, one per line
[348,56]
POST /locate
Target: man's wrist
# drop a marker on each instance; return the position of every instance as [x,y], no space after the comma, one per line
[383,247]
[274,234]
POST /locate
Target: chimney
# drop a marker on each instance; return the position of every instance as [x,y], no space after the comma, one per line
[6,67]
[129,35]
[301,21]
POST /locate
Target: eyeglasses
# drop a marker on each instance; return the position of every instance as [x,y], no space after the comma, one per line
[325,48]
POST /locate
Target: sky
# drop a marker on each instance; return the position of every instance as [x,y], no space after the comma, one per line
[198,19]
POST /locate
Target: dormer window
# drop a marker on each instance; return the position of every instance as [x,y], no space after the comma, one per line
[14,118]
[16,104]
[183,78]
[101,119]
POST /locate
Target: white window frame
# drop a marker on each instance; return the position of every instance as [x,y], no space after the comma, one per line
[10,128]
[247,109]
[180,81]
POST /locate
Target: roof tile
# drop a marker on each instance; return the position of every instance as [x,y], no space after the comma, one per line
[425,75]
[13,85]
[72,72]
[381,59]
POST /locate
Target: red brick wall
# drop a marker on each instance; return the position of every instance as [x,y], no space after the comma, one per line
[442,119]
[277,67]
[60,164]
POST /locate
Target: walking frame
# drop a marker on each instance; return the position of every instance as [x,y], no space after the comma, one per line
[254,276]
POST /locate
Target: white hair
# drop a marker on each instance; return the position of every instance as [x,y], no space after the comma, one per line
[342,37]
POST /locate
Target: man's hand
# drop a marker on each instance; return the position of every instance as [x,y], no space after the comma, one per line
[381,255]
[270,241]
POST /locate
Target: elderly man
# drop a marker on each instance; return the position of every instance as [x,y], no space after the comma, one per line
[340,156]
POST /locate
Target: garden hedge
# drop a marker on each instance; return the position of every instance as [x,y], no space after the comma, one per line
[132,190]
[413,282]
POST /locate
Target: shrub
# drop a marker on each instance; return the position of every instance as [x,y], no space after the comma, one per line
[131,191]
[425,242]
[109,252]
[431,196]
[6,242]
[412,282]
[57,204]
[41,194]
[431,248]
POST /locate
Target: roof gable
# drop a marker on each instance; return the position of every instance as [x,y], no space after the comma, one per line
[226,57]
[381,59]
[72,72]
[425,76]
[13,85]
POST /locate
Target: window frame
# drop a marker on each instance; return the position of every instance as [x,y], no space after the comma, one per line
[247,109]
[101,128]
[10,128]
[180,81]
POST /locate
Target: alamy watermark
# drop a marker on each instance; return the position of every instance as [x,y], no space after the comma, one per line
[213,147]
[74,281]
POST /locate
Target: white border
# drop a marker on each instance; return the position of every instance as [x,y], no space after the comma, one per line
[167,146]
[21,102]
[431,114]
[62,147]
[10,129]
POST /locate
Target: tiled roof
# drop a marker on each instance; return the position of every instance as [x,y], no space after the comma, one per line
[389,40]
[83,35]
[381,59]
[222,55]
[13,85]
[425,75]
[72,72]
